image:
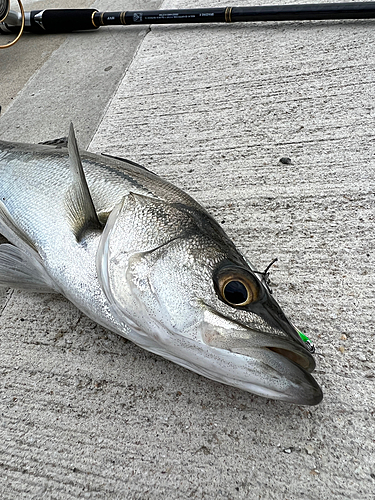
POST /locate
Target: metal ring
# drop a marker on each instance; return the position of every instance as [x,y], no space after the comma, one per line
[6,11]
[21,29]
[122,18]
[92,18]
[228,14]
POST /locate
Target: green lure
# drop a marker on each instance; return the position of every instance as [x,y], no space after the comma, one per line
[309,344]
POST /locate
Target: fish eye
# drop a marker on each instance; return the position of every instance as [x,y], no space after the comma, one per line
[235,292]
[236,288]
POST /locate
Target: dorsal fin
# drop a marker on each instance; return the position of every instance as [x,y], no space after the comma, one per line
[81,210]
[61,142]
[127,161]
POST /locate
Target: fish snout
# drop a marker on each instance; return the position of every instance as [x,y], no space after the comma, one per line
[270,366]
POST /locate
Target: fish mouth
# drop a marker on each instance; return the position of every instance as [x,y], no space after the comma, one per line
[272,367]
[306,363]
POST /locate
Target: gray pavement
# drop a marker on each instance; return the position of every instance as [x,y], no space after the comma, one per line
[85,414]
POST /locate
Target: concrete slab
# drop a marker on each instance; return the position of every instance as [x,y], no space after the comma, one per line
[86,414]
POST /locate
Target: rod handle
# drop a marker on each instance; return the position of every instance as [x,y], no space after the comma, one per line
[61,20]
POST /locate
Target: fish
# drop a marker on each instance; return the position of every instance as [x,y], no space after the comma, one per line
[142,258]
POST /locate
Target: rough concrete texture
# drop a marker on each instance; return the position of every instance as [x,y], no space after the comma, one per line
[85,414]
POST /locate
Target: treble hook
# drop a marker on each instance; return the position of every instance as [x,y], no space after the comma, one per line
[266,274]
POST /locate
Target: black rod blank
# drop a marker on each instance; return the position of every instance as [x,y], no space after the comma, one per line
[66,20]
[307,12]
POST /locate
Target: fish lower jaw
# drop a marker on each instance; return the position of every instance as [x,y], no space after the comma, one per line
[265,392]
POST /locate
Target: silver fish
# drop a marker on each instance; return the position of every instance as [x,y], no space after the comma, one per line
[143,259]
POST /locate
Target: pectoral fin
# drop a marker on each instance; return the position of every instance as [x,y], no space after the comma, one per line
[11,232]
[21,270]
[80,207]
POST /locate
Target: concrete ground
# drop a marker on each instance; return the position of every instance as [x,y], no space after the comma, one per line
[86,414]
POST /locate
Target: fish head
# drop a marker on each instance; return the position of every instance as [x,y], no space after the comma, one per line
[170,273]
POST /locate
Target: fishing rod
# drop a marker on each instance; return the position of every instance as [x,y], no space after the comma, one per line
[67,20]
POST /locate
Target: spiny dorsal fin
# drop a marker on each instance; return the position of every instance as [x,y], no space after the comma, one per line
[61,142]
[81,210]
[127,161]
